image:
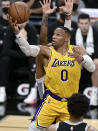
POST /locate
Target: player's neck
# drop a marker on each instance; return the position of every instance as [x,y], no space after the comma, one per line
[75,120]
[63,49]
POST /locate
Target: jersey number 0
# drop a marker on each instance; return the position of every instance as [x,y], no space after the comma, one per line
[64,75]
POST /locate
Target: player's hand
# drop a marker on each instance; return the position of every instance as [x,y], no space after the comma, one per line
[79,49]
[76,57]
[46,7]
[67,9]
[78,52]
[13,24]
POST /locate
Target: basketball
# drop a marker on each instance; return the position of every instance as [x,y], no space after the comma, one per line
[19,11]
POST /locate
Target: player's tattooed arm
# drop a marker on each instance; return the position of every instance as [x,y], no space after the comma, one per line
[44,27]
[44,30]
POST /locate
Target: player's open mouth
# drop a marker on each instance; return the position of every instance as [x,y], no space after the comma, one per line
[53,42]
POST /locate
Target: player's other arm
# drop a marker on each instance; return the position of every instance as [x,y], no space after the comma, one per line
[31,50]
[79,54]
[30,3]
[28,50]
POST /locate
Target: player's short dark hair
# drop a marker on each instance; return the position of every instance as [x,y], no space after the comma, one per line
[83,16]
[65,29]
[78,105]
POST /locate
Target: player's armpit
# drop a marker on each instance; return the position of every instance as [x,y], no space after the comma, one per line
[44,51]
[91,128]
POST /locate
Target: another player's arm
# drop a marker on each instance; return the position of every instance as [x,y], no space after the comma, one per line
[43,32]
[67,9]
[30,3]
[44,27]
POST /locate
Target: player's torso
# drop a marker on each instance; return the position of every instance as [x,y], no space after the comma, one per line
[62,74]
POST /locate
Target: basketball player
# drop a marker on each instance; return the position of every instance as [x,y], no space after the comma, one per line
[62,66]
[40,73]
[78,106]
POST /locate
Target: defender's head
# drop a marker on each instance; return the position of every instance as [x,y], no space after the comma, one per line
[78,105]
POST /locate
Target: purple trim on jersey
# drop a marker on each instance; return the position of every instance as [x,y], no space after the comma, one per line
[56,97]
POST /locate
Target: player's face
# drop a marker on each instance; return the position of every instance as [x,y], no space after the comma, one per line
[58,38]
[84,24]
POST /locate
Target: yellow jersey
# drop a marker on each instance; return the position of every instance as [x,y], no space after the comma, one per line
[62,74]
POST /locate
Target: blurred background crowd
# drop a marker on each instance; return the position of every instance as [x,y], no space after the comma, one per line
[17,71]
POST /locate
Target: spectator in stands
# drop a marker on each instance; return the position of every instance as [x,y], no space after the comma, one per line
[10,53]
[78,4]
[86,36]
[4,44]
[92,3]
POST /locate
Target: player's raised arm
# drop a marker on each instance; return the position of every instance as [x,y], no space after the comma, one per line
[67,9]
[44,27]
[28,50]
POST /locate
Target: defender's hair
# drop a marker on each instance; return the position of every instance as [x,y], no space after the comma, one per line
[78,105]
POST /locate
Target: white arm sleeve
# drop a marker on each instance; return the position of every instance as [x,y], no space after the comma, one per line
[88,63]
[28,50]
[40,84]
[67,24]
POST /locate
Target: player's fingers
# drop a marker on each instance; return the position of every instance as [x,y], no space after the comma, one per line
[75,49]
[15,22]
[54,9]
[41,3]
[65,1]
[44,1]
[49,1]
[70,54]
